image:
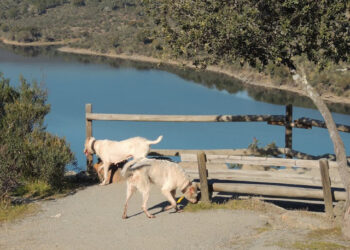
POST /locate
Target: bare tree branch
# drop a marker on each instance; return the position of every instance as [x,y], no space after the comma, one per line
[338,144]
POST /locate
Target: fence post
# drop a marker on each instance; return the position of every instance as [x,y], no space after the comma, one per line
[202,170]
[326,186]
[289,130]
[89,158]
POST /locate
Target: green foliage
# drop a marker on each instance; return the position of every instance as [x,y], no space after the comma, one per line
[42,5]
[27,150]
[229,33]
[4,27]
[27,34]
[78,2]
[13,12]
[36,188]
[256,31]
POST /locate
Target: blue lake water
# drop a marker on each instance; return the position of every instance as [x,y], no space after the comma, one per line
[121,87]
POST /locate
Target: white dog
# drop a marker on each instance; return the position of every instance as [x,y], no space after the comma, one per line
[113,152]
[169,176]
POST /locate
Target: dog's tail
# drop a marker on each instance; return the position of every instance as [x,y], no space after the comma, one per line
[155,141]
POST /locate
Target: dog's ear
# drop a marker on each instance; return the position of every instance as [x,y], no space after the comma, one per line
[192,190]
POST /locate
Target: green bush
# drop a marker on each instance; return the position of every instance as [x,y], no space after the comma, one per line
[27,151]
[28,34]
[4,27]
[78,2]
[48,157]
[13,12]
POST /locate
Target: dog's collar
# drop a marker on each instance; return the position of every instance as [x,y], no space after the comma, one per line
[184,189]
[93,146]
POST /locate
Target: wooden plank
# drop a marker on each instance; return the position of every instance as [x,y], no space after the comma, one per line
[88,129]
[193,152]
[321,124]
[230,156]
[193,166]
[326,186]
[307,163]
[289,130]
[269,190]
[265,161]
[273,190]
[265,177]
[237,152]
[202,170]
[88,109]
[184,118]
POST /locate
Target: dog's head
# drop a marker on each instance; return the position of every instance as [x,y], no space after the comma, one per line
[87,148]
[191,193]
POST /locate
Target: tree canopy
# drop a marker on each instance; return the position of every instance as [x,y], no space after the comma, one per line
[254,31]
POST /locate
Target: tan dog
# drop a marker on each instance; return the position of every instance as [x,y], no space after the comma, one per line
[169,176]
[113,175]
[114,152]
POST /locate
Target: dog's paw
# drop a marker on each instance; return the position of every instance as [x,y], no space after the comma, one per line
[151,216]
[103,184]
[168,207]
[125,217]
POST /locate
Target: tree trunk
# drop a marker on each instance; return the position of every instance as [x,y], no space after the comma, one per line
[338,144]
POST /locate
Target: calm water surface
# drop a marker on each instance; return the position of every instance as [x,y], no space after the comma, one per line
[124,87]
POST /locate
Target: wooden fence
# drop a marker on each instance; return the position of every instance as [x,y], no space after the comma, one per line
[212,165]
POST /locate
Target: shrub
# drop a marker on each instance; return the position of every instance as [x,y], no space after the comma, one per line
[48,157]
[27,151]
[5,28]
[13,13]
[78,2]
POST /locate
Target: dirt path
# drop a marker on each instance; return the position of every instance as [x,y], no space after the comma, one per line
[91,219]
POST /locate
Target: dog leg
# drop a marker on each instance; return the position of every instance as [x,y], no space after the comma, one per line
[129,192]
[145,196]
[173,193]
[168,194]
[105,174]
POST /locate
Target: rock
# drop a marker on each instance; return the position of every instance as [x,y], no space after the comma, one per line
[70,175]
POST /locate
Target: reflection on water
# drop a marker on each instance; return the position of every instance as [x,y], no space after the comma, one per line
[218,81]
[121,86]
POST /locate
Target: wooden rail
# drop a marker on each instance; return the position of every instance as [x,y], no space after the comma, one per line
[281,120]
[323,184]
[185,118]
[264,182]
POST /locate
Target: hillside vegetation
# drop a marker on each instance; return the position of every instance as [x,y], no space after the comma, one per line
[123,26]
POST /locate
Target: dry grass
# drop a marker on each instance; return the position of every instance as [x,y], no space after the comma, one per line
[246,204]
[333,233]
[319,239]
[10,212]
[317,245]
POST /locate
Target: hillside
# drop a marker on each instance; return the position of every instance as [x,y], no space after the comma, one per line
[123,27]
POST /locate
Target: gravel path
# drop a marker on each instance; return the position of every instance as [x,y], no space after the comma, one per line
[91,219]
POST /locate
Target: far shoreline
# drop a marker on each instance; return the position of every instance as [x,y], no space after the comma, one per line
[36,44]
[247,78]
